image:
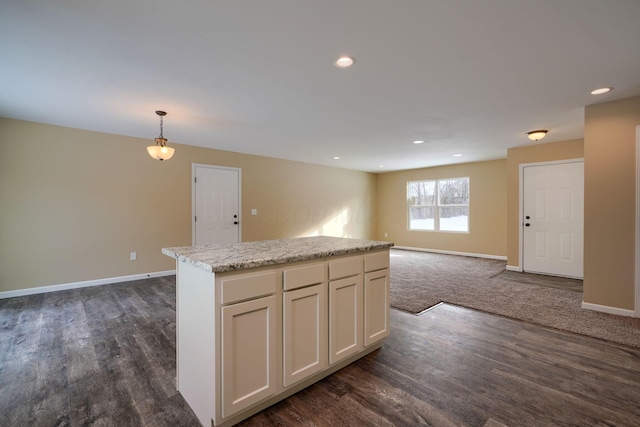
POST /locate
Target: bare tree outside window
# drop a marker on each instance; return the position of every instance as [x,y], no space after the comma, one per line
[439,205]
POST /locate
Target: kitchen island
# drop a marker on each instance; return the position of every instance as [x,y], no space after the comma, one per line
[258,321]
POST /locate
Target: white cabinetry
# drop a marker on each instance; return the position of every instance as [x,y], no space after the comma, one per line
[304,318]
[345,308]
[249,338]
[376,297]
[248,353]
[248,341]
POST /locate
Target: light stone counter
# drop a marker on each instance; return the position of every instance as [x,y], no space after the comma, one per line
[237,256]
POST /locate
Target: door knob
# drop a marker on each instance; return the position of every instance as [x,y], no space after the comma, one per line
[527,217]
[527,224]
[236,222]
[236,216]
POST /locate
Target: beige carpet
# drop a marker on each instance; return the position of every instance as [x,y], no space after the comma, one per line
[420,280]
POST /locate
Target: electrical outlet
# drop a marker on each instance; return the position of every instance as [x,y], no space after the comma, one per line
[254,211]
[386,234]
[133,256]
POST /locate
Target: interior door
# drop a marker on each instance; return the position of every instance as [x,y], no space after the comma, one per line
[216,204]
[553,219]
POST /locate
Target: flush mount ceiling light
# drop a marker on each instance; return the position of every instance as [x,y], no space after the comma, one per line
[345,61]
[457,155]
[418,142]
[336,157]
[160,151]
[536,135]
[601,90]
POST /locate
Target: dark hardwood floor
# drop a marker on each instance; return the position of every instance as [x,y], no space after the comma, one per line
[106,356]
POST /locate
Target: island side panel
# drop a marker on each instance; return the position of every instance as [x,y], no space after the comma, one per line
[195,341]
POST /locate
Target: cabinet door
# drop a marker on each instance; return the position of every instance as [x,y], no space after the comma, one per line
[376,306]
[345,317]
[248,353]
[304,332]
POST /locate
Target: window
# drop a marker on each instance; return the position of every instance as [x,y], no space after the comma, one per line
[439,205]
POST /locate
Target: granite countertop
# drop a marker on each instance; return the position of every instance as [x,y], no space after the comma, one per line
[237,256]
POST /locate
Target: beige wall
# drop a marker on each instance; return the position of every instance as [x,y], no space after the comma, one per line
[532,153]
[74,203]
[487,209]
[609,151]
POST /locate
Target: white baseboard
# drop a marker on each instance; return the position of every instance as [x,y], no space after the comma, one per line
[514,268]
[85,284]
[438,251]
[607,309]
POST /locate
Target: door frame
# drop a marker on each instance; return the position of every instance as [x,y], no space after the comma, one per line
[637,261]
[193,197]
[521,167]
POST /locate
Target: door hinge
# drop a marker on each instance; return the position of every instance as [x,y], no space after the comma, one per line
[195,219]
[195,179]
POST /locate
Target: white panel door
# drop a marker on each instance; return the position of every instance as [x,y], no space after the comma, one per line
[216,205]
[553,219]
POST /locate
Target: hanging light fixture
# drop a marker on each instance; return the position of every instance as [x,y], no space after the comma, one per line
[535,135]
[160,151]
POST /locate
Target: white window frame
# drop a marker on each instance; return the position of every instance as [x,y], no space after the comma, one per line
[436,207]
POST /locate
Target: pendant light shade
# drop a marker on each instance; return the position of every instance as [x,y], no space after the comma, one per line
[160,151]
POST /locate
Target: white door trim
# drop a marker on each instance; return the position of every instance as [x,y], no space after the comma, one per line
[637,272]
[193,197]
[521,166]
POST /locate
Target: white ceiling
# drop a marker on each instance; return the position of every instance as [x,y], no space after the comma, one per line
[465,76]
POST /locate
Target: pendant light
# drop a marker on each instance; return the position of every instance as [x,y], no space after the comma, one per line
[160,151]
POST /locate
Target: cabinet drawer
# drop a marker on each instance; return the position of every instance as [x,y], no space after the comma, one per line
[246,287]
[376,261]
[345,267]
[304,276]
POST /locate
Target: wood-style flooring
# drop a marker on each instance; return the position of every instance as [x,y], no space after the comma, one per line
[105,356]
[565,283]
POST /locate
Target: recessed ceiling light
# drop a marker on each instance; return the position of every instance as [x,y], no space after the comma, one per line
[457,155]
[380,166]
[601,90]
[336,157]
[345,61]
[418,142]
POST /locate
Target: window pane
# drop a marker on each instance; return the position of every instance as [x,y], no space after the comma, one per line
[453,191]
[422,193]
[421,218]
[454,218]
